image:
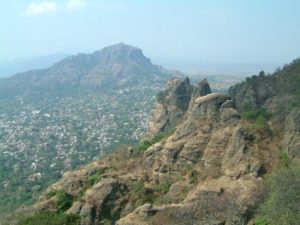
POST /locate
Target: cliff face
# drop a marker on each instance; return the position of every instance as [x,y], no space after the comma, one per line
[173,104]
[209,171]
[210,163]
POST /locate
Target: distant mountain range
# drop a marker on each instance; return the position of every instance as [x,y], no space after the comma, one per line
[9,68]
[112,67]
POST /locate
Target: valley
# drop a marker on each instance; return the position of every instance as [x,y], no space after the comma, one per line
[60,128]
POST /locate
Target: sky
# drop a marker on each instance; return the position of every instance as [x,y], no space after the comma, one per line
[189,35]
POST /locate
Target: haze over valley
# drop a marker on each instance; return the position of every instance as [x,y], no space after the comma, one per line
[148,113]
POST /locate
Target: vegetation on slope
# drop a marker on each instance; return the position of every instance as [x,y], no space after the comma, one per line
[282,204]
[63,199]
[50,218]
[145,144]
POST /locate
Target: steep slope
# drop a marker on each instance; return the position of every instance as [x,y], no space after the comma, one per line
[56,119]
[209,163]
[115,66]
[173,103]
[203,163]
[279,95]
[208,171]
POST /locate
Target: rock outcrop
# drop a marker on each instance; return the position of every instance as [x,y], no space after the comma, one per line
[173,104]
[278,94]
[103,201]
[209,171]
[212,141]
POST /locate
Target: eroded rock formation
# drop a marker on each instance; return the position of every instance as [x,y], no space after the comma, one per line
[209,171]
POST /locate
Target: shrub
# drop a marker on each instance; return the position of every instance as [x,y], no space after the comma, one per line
[261,74]
[64,200]
[282,205]
[143,146]
[285,158]
[163,187]
[194,178]
[161,96]
[93,179]
[140,194]
[188,166]
[50,218]
[256,122]
[155,194]
[89,182]
[51,193]
[250,113]
[260,221]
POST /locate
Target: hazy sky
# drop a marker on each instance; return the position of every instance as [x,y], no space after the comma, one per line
[186,31]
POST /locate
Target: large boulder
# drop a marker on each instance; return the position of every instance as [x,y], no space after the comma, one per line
[173,104]
[104,201]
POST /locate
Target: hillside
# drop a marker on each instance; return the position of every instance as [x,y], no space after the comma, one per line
[56,119]
[279,95]
[204,161]
[117,66]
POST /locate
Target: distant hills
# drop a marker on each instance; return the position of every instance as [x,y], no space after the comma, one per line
[112,67]
[55,119]
[12,67]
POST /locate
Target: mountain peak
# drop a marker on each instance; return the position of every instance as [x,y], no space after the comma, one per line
[121,53]
[121,45]
[115,54]
[119,65]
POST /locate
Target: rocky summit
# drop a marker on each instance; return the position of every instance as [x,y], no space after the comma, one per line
[173,104]
[203,161]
